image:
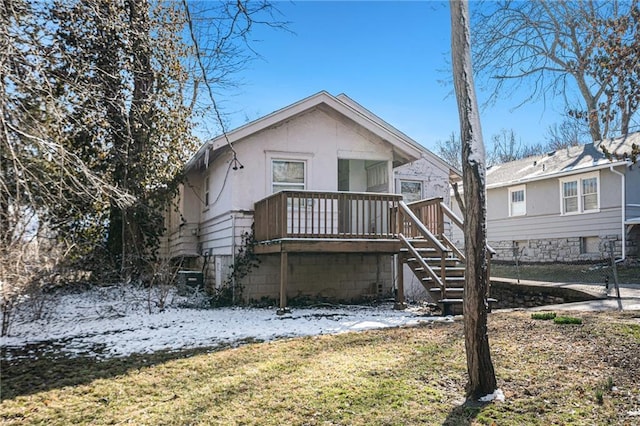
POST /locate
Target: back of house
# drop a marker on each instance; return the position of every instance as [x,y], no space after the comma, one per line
[306,191]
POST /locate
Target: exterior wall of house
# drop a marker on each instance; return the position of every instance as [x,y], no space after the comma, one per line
[633,190]
[434,178]
[181,221]
[218,247]
[317,137]
[352,277]
[543,234]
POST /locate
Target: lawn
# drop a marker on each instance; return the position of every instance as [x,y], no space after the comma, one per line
[585,273]
[573,374]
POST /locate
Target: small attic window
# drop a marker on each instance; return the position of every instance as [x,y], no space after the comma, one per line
[206,191]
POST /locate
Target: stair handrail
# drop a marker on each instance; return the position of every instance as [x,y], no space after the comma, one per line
[456,220]
[454,249]
[423,229]
[422,262]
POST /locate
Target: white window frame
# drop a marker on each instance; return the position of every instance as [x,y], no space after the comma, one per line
[420,197]
[578,179]
[512,190]
[298,186]
[271,156]
[206,192]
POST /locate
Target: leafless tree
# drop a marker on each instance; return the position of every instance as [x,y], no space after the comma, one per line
[450,150]
[482,379]
[570,132]
[586,50]
[97,109]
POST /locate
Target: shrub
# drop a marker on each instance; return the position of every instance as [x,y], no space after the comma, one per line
[567,320]
[543,315]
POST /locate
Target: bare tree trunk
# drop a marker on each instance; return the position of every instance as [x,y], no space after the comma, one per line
[482,379]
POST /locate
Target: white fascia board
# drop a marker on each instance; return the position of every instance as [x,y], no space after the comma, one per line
[355,112]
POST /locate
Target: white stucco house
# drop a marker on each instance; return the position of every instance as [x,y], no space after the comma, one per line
[568,205]
[319,184]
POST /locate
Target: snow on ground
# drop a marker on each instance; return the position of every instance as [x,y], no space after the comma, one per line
[115,321]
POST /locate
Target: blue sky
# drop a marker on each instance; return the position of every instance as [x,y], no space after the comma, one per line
[391,57]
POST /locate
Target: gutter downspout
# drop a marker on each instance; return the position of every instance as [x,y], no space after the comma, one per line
[624,212]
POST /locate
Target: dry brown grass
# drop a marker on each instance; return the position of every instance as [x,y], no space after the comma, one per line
[550,374]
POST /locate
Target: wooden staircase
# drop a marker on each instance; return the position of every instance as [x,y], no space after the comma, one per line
[437,263]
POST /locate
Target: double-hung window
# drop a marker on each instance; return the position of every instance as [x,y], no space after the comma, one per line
[580,194]
[287,174]
[517,201]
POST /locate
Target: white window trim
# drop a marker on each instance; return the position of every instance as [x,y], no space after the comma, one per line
[272,156]
[513,189]
[207,192]
[400,181]
[578,179]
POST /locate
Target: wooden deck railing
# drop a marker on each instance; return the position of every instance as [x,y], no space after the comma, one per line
[315,214]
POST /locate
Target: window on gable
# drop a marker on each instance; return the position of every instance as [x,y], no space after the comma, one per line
[580,194]
[287,174]
[206,192]
[411,190]
[517,201]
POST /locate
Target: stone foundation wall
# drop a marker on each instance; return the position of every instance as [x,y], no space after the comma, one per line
[345,277]
[510,295]
[560,250]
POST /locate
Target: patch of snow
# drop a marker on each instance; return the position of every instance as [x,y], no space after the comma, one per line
[497,395]
[115,321]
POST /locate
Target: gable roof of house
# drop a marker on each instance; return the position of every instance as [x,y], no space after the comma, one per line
[563,162]
[404,147]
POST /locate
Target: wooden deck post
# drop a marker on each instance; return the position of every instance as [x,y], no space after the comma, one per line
[284,268]
[400,300]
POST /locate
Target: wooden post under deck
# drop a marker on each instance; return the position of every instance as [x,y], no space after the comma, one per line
[284,268]
[400,300]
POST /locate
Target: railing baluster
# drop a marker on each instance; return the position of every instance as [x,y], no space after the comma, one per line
[305,214]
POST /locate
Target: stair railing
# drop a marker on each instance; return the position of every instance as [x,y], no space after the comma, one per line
[424,265]
[458,222]
[409,221]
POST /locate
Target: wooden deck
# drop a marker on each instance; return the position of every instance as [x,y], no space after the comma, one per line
[312,221]
[328,245]
[336,215]
[347,222]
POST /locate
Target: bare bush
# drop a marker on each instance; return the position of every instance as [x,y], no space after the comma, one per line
[162,283]
[27,270]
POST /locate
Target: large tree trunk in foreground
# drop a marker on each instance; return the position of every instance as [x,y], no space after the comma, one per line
[482,379]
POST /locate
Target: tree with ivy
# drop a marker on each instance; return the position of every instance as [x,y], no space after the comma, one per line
[98,110]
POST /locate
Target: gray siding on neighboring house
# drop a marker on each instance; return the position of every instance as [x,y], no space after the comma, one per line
[605,222]
[543,218]
[633,190]
[543,232]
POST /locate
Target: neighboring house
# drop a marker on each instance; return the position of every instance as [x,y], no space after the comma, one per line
[320,183]
[566,206]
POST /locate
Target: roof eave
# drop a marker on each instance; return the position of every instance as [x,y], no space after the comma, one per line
[558,174]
